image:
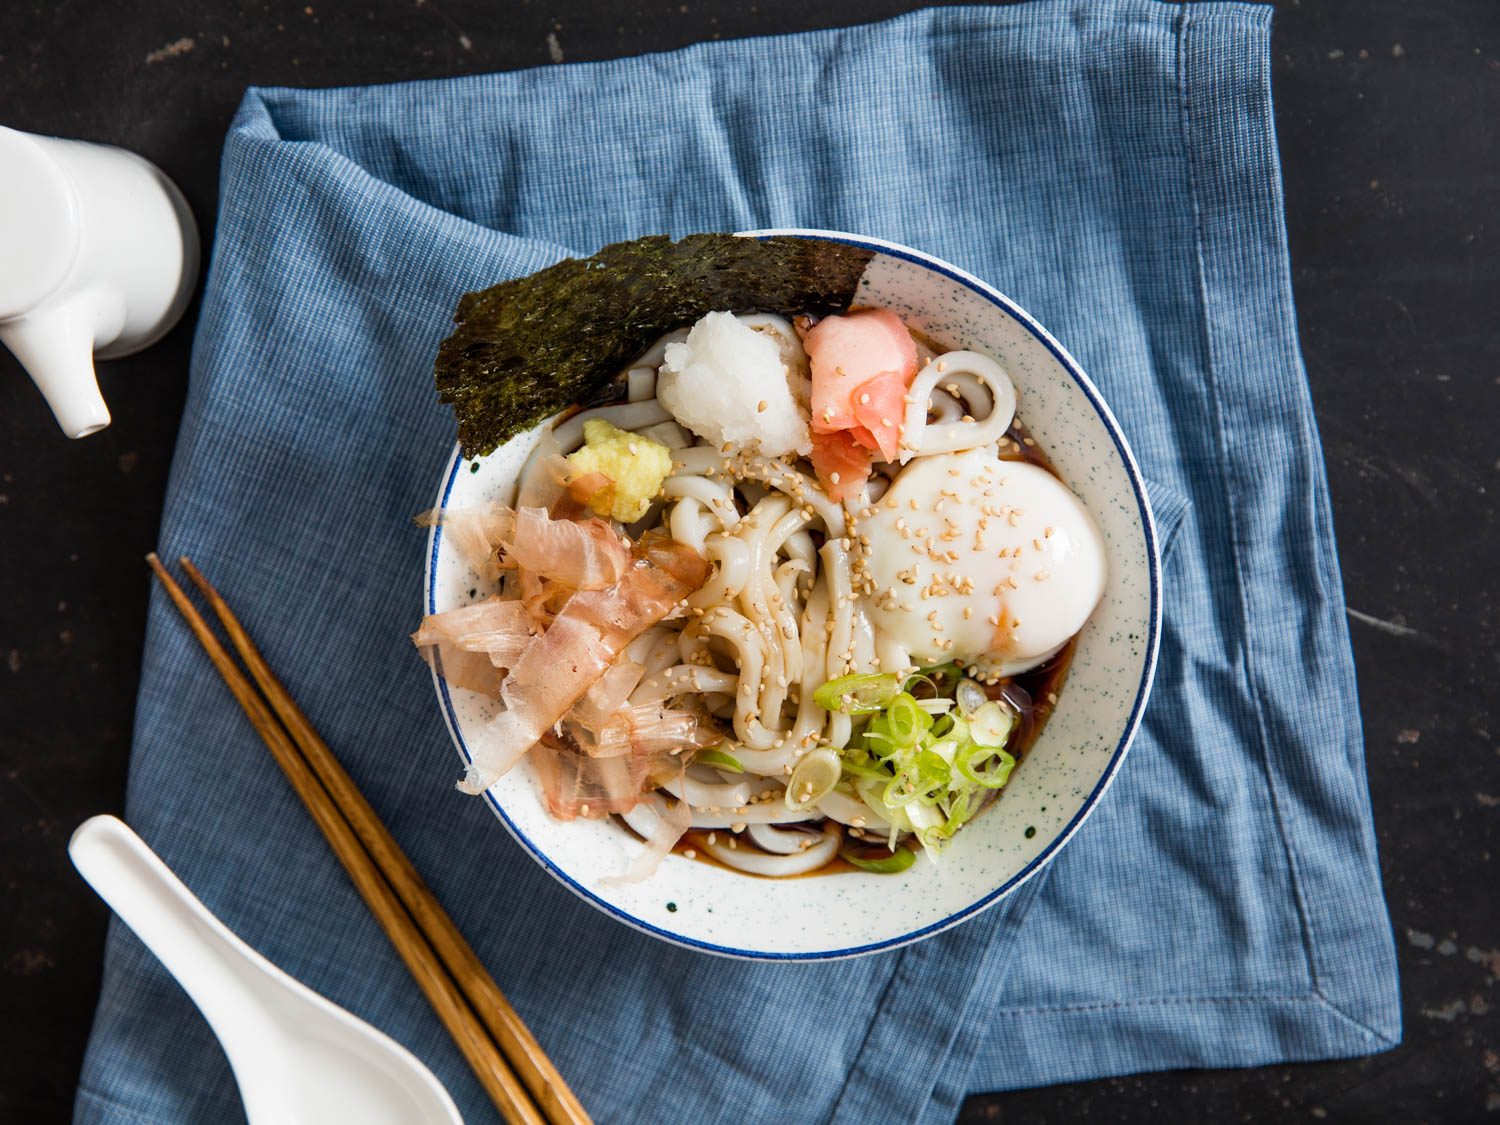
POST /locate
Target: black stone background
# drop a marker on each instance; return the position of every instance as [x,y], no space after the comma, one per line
[1387,111]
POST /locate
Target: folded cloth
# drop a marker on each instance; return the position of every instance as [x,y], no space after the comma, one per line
[1110,165]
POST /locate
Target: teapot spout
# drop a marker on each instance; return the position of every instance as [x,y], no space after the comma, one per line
[56,347]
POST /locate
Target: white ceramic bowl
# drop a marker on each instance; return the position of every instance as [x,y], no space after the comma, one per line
[1059,783]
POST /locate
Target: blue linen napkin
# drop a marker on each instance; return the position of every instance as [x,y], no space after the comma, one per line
[1111,166]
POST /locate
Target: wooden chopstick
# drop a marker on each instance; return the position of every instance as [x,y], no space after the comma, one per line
[525,1054]
[481,1052]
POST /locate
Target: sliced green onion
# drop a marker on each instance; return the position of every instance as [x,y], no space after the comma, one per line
[969,696]
[923,817]
[924,781]
[943,750]
[865,769]
[927,824]
[860,694]
[916,681]
[988,766]
[991,724]
[905,721]
[950,726]
[960,811]
[932,677]
[893,864]
[816,774]
[935,776]
[719,759]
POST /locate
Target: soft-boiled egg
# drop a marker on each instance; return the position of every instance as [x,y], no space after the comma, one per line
[993,564]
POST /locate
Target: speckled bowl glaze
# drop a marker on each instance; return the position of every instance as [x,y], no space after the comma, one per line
[1059,783]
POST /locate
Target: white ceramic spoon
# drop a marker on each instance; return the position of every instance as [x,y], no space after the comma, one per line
[296,1056]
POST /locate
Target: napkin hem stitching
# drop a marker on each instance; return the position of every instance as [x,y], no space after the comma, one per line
[1244,660]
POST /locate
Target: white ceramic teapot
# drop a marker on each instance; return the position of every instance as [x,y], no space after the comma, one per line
[98,258]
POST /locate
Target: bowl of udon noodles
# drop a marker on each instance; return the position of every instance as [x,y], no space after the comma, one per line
[810,635]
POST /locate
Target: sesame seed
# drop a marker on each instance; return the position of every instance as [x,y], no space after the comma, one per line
[1030,441]
[1043,575]
[968,612]
[691,853]
[1048,533]
[713,837]
[760,407]
[583,810]
[864,400]
[954,471]
[1010,580]
[833,478]
[951,388]
[887,423]
[737,826]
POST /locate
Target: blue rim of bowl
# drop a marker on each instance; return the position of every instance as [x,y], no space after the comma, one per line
[1042,858]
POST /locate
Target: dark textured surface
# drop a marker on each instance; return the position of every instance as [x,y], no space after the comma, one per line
[1389,115]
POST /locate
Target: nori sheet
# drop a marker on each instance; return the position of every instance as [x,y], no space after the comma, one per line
[525,349]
